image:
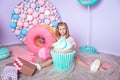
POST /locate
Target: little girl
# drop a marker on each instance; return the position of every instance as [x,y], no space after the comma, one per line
[63,31]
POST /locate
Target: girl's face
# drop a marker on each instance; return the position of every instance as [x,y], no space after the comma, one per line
[62,30]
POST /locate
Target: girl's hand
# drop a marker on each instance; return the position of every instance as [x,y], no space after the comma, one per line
[50,47]
[75,47]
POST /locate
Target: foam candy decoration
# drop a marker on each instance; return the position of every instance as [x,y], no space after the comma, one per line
[54,23]
[33,5]
[29,13]
[27,0]
[88,49]
[24,31]
[62,44]
[34,22]
[13,25]
[35,15]
[41,2]
[15,16]
[62,59]
[34,33]
[24,66]
[22,53]
[42,16]
[52,18]
[26,24]
[47,21]
[88,2]
[20,23]
[44,53]
[29,17]
[22,16]
[47,12]
[17,32]
[4,53]
[42,9]
[17,10]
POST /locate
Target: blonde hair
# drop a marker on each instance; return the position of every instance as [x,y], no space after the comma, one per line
[58,35]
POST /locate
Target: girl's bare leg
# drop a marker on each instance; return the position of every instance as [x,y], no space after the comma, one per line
[93,67]
[82,63]
[46,63]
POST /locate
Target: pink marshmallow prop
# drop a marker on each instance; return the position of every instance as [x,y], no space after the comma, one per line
[44,53]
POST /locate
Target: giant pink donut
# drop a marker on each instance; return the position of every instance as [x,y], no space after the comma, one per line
[39,31]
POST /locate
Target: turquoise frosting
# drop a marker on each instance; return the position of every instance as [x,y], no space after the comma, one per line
[62,44]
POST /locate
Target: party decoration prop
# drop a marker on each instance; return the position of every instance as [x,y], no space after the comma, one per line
[4,53]
[88,2]
[23,53]
[87,48]
[24,66]
[35,36]
[44,53]
[29,13]
[62,55]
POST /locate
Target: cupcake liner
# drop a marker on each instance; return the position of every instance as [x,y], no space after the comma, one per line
[63,61]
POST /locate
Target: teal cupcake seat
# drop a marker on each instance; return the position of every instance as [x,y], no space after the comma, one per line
[63,61]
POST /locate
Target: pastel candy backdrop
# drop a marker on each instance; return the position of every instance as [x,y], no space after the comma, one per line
[104,23]
[29,13]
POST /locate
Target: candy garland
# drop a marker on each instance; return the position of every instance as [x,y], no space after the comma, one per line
[30,13]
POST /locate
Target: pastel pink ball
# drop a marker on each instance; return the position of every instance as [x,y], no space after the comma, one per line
[35,14]
[42,9]
[47,12]
[17,10]
[42,16]
[33,5]
[52,18]
[30,11]
[29,17]
[35,22]
[17,32]
[26,24]
[41,2]
[19,23]
[47,21]
[23,16]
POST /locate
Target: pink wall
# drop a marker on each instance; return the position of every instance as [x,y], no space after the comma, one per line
[104,23]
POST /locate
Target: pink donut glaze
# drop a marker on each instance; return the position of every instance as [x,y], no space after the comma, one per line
[38,31]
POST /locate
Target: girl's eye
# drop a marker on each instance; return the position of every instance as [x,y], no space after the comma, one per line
[60,29]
